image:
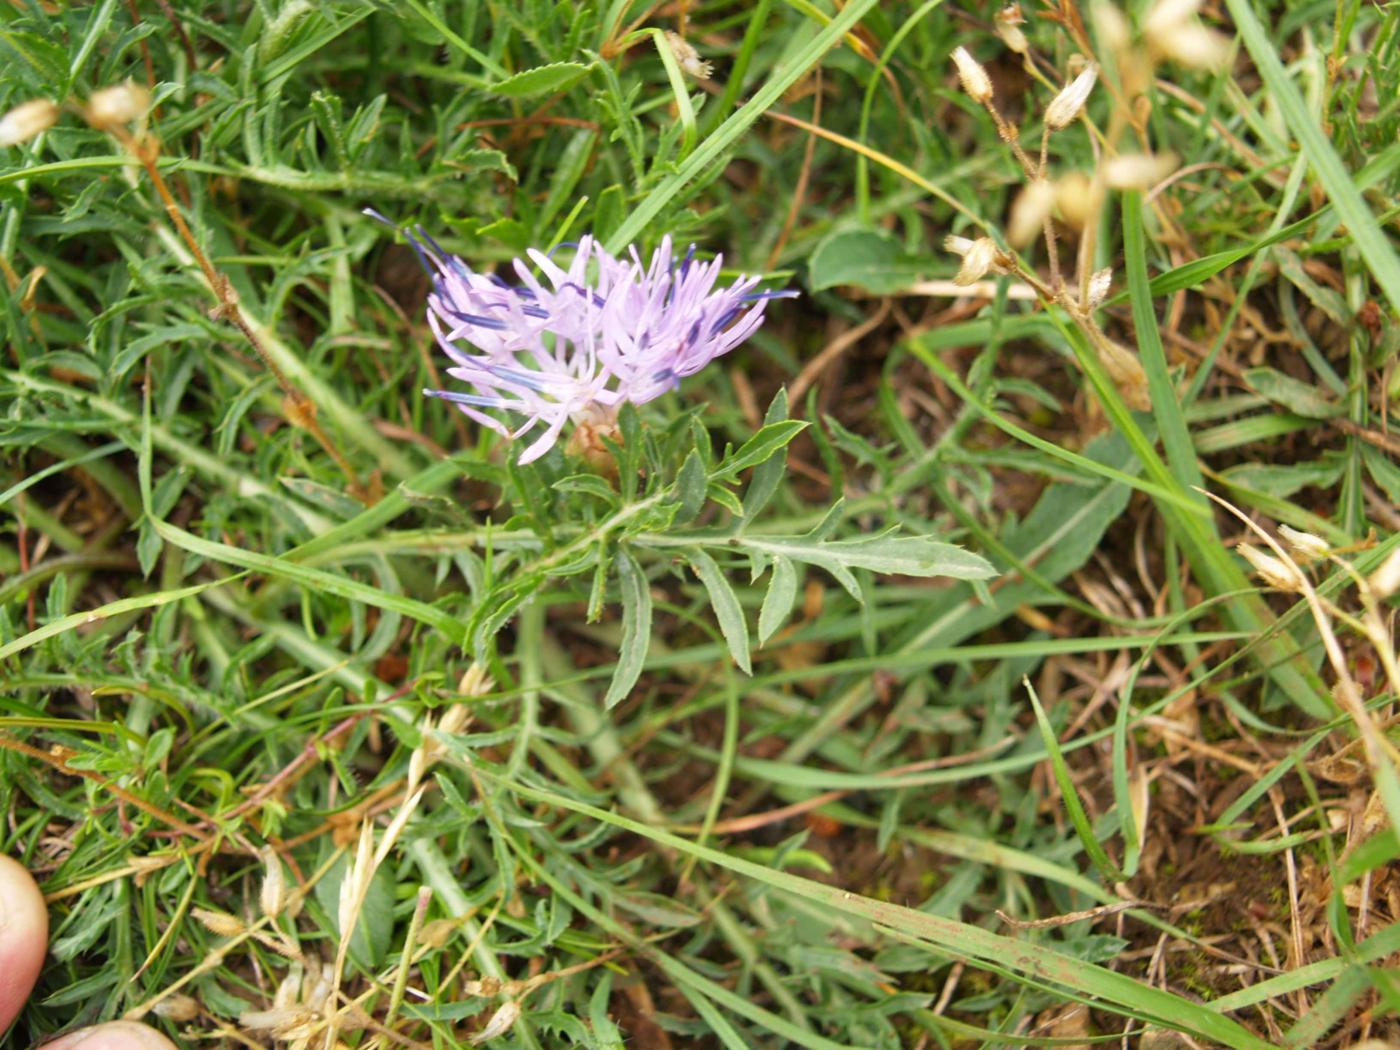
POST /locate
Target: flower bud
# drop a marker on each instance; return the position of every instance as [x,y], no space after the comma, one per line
[974,78]
[27,120]
[119,104]
[1065,106]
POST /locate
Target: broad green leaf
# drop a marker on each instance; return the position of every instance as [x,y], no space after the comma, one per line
[728,611]
[867,258]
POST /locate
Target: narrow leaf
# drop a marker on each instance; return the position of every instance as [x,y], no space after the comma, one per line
[636,627]
[726,605]
[778,602]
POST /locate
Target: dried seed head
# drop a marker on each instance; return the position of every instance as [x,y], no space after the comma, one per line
[1305,546]
[1172,32]
[119,104]
[475,682]
[1099,285]
[1274,571]
[1008,26]
[1138,171]
[1385,581]
[455,719]
[1028,214]
[978,257]
[220,922]
[1066,106]
[974,78]
[287,1024]
[688,58]
[27,120]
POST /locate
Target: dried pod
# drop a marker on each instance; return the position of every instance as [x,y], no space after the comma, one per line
[1124,368]
[1304,545]
[687,57]
[1008,24]
[1172,32]
[119,104]
[27,120]
[1028,214]
[1068,104]
[979,257]
[974,78]
[1274,571]
[1138,171]
[1099,284]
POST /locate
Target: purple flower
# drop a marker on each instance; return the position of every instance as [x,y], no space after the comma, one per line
[575,342]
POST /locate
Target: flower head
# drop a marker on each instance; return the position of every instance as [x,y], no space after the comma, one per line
[575,342]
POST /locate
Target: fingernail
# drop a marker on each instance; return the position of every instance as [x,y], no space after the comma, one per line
[115,1035]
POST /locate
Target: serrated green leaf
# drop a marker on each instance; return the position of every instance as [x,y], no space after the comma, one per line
[690,488]
[636,627]
[768,475]
[778,602]
[148,547]
[892,555]
[767,442]
[542,79]
[728,611]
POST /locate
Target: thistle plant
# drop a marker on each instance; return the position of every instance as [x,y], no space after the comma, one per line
[602,333]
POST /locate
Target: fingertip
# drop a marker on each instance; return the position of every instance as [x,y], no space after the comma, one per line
[115,1035]
[24,937]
